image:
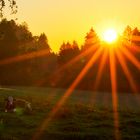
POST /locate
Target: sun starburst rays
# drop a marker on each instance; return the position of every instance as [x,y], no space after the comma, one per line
[24,57]
[126,71]
[114,92]
[131,57]
[67,94]
[101,68]
[120,53]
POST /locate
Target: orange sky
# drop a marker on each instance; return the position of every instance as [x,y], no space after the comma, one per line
[67,20]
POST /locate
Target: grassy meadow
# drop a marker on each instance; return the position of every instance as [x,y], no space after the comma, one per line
[84,116]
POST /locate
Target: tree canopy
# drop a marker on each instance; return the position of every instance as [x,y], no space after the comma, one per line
[12,5]
[32,62]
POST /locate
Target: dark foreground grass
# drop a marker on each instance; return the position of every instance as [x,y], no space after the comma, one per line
[76,120]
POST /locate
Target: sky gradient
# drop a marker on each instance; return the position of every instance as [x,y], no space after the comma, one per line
[68,20]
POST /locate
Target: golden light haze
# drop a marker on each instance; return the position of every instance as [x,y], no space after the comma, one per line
[68,20]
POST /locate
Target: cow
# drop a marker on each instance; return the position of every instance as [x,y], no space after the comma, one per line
[12,104]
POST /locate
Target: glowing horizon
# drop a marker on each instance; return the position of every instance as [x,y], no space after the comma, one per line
[65,20]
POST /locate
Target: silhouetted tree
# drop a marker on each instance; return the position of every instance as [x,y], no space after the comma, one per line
[8,40]
[43,42]
[131,36]
[91,44]
[127,35]
[12,4]
[136,32]
[136,36]
[68,52]
[127,31]
[91,40]
[23,34]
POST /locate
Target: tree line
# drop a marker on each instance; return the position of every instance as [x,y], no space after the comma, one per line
[28,60]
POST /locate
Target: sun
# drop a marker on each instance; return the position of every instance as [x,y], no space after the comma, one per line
[110,35]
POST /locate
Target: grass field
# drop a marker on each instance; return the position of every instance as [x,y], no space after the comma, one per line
[84,116]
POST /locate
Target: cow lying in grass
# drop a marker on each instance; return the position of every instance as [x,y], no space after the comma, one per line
[12,105]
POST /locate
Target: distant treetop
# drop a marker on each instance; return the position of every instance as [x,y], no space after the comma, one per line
[12,5]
